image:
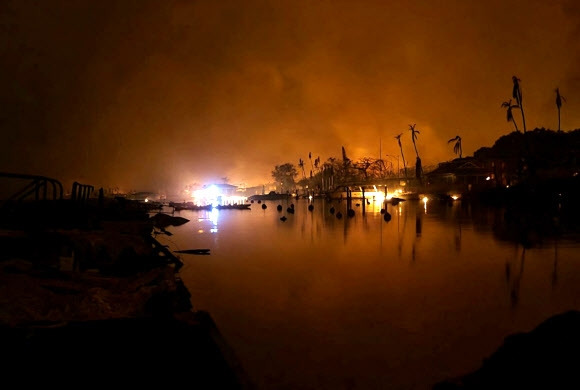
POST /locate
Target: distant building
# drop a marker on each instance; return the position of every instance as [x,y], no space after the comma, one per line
[461,175]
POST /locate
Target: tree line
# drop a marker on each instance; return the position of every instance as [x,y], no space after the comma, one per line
[335,172]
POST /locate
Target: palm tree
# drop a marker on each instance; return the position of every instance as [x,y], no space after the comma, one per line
[301,165]
[559,99]
[398,137]
[510,117]
[311,166]
[317,163]
[457,147]
[517,94]
[418,166]
[414,137]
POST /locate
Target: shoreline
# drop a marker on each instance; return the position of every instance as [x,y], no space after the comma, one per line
[103,300]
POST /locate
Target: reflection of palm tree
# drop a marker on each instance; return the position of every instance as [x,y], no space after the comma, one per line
[398,137]
[515,290]
[510,116]
[555,269]
[559,99]
[457,147]
[517,94]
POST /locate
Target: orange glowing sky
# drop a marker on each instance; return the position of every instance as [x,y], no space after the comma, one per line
[153,95]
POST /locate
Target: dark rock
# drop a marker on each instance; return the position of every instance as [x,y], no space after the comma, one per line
[548,357]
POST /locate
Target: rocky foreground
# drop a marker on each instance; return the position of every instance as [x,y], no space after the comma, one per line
[87,296]
[548,357]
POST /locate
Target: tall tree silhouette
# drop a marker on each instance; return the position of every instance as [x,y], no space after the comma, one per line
[457,147]
[517,94]
[414,137]
[311,166]
[398,137]
[559,100]
[510,116]
[301,165]
[418,166]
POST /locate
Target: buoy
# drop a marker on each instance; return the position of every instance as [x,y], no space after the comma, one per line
[290,210]
[387,217]
[259,201]
[383,211]
[264,206]
[339,215]
[279,208]
[332,210]
[351,213]
[283,218]
[310,207]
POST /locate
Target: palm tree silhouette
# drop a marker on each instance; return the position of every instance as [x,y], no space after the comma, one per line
[559,99]
[510,117]
[311,166]
[457,147]
[517,94]
[301,165]
[418,167]
[414,137]
[398,137]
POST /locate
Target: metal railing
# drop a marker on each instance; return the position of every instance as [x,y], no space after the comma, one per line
[37,187]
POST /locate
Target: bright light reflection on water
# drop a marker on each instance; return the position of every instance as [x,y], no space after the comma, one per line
[321,303]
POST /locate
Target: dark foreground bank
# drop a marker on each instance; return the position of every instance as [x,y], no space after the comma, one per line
[88,296]
[548,357]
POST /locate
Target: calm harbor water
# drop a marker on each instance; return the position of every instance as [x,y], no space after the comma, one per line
[317,302]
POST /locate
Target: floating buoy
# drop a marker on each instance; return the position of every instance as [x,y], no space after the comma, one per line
[357,205]
[259,201]
[387,217]
[350,213]
[383,211]
[310,207]
[339,215]
[264,206]
[283,218]
[279,208]
[332,210]
[290,210]
[292,205]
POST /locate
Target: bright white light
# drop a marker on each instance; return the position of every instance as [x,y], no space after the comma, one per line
[425,199]
[379,196]
[488,178]
[146,200]
[309,197]
[213,191]
[454,197]
[213,216]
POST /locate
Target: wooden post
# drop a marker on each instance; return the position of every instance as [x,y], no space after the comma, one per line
[364,201]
